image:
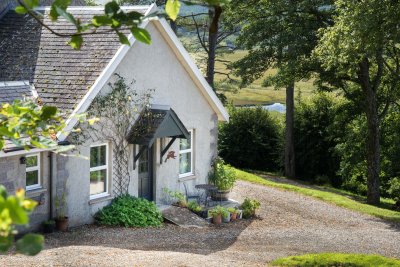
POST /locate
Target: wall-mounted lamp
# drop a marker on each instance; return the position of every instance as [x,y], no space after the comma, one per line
[22,160]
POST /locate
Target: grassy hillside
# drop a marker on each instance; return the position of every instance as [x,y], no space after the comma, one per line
[254,93]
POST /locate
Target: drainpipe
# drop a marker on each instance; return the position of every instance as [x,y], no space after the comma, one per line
[51,185]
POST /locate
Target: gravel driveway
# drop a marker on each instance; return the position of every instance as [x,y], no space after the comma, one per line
[289,224]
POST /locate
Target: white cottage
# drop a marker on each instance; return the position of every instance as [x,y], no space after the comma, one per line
[36,63]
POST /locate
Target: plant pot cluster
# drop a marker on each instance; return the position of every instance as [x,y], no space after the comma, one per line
[222,215]
[59,224]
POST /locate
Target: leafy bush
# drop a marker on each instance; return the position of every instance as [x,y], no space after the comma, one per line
[194,206]
[249,207]
[351,149]
[129,211]
[222,176]
[317,127]
[252,139]
[394,190]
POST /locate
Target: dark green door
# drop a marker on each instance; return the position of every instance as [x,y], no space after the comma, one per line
[146,174]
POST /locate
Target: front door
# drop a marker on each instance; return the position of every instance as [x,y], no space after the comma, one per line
[146,174]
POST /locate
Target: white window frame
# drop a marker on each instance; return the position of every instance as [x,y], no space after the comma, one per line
[98,168]
[185,151]
[31,169]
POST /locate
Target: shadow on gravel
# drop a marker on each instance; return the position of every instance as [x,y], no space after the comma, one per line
[170,237]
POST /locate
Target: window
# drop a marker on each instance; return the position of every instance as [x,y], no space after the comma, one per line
[33,172]
[98,170]
[186,156]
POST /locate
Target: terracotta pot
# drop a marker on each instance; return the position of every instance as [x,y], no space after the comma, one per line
[217,219]
[233,216]
[62,224]
[220,195]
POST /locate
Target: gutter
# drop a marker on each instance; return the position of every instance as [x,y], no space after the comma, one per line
[16,149]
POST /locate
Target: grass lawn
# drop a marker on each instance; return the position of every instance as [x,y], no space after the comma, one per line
[336,259]
[331,197]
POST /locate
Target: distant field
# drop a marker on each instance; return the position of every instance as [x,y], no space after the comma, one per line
[255,93]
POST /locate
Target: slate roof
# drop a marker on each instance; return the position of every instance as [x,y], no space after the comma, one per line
[61,75]
[10,91]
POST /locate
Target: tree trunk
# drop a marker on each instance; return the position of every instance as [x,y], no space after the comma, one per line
[215,15]
[289,133]
[373,148]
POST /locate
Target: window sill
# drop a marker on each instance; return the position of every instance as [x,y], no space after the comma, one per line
[99,198]
[34,192]
[187,178]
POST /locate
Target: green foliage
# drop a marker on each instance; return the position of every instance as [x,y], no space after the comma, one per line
[317,129]
[38,125]
[336,259]
[194,206]
[249,207]
[30,244]
[15,210]
[394,189]
[129,211]
[61,205]
[222,176]
[351,151]
[286,44]
[218,210]
[324,195]
[114,18]
[252,139]
[176,196]
[233,210]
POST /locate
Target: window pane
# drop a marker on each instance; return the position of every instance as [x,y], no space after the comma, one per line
[98,182]
[185,164]
[97,156]
[32,178]
[184,144]
[31,161]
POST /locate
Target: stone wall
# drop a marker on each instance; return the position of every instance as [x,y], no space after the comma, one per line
[12,176]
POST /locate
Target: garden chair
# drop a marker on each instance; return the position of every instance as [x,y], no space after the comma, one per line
[189,196]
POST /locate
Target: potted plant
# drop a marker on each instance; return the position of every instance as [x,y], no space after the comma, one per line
[61,219]
[48,226]
[178,197]
[226,216]
[216,214]
[234,212]
[193,206]
[249,207]
[223,177]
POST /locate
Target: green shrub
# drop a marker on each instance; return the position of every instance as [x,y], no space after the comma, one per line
[317,127]
[129,211]
[394,189]
[194,206]
[222,176]
[249,207]
[252,139]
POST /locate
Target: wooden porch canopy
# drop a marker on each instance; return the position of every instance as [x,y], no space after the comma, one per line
[153,124]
